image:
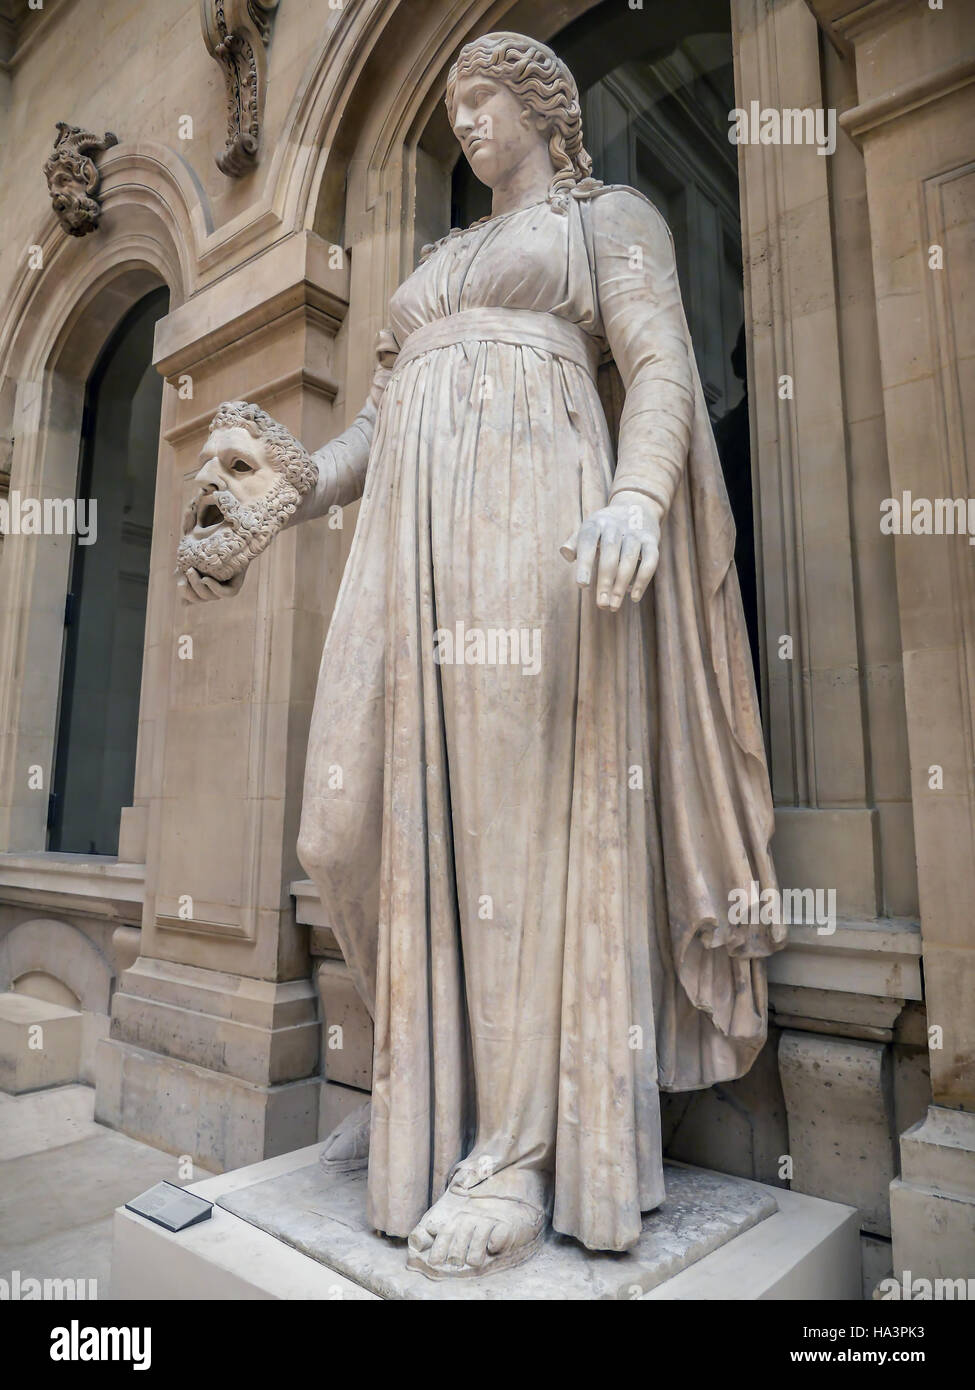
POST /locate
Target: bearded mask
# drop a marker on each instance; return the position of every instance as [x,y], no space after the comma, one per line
[254,474]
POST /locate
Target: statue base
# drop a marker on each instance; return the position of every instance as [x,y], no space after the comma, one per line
[284,1229]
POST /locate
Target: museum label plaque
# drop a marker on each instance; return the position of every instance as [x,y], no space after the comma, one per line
[169,1206]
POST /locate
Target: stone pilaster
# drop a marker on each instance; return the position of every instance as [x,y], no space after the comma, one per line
[215,1039]
[915,70]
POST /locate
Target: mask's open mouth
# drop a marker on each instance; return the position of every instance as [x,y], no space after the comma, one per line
[206,516]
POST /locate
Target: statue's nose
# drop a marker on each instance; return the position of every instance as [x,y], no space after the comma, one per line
[209,474]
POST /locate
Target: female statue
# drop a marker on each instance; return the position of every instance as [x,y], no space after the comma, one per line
[553,773]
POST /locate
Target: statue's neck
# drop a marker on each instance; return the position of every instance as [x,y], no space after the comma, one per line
[527,184]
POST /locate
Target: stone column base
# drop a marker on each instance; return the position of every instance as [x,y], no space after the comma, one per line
[932,1204]
[217,1066]
[218,1121]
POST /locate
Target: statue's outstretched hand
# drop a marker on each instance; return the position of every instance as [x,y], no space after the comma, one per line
[626,533]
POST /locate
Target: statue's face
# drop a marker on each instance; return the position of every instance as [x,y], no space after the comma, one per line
[242,503]
[75,210]
[495,128]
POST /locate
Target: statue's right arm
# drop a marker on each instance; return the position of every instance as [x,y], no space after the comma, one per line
[342,463]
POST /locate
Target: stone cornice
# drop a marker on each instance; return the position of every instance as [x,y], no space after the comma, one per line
[292,274]
[845,21]
[931,86]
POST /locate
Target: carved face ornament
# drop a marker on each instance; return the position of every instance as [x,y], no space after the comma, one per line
[252,478]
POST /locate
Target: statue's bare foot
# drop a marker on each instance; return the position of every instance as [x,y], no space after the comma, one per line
[347,1147]
[466,1234]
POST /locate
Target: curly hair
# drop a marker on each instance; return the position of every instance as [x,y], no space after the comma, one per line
[543,82]
[286,454]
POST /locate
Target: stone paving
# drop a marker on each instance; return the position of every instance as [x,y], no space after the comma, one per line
[61,1177]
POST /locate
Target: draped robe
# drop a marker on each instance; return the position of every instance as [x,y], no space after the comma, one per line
[529,870]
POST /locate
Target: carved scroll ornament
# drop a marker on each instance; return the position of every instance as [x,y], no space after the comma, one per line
[73,179]
[237,34]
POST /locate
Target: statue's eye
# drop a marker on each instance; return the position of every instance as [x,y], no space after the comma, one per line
[240,466]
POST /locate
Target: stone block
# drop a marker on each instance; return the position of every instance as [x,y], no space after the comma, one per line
[347,1035]
[40,1044]
[219,1121]
[816,848]
[838,1095]
[335,1102]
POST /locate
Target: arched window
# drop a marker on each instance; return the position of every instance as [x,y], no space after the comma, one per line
[105,610]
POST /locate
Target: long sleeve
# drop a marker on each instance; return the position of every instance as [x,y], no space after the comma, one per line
[343,461]
[643,320]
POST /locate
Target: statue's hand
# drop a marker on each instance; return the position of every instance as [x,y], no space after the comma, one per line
[193,587]
[626,533]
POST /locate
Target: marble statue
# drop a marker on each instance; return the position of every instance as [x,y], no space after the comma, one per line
[538,686]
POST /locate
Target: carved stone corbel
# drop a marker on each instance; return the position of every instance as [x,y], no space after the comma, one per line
[237,34]
[73,179]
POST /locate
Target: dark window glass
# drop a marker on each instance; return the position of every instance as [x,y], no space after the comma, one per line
[105,613]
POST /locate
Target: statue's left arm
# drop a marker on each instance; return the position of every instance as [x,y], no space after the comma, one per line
[643,320]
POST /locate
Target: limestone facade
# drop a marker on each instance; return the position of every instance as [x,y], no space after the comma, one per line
[278,265]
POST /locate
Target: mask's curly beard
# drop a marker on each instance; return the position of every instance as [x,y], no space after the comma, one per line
[248,530]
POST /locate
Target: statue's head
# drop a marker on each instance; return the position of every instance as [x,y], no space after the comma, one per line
[253,475]
[506,92]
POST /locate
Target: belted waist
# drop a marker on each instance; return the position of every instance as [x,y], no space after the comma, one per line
[520,327]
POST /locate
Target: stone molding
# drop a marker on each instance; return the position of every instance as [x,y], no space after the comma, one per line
[844,20]
[294,274]
[879,958]
[94,885]
[930,86]
[237,34]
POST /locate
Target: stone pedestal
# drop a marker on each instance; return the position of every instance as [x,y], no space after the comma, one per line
[283,1229]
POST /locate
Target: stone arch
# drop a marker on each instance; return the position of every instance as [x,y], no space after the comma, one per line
[58,318]
[46,946]
[344,124]
[154,217]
